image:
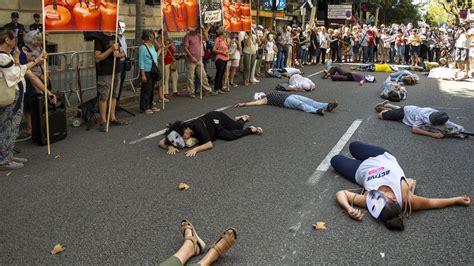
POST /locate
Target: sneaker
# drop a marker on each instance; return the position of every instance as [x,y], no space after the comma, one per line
[164,99]
[332,106]
[102,127]
[192,95]
[220,91]
[148,112]
[320,112]
[19,160]
[255,81]
[11,166]
[177,94]
[117,122]
[24,136]
[156,110]
[234,85]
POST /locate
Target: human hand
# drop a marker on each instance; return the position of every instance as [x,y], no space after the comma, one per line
[438,135]
[191,153]
[239,104]
[115,46]
[355,214]
[53,99]
[463,200]
[172,150]
[144,78]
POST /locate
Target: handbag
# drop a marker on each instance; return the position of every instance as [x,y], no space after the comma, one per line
[155,72]
[7,94]
[174,65]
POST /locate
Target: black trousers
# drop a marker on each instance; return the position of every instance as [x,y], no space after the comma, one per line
[146,93]
[228,128]
[220,72]
[123,72]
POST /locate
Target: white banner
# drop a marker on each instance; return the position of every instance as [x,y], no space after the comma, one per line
[338,11]
[212,16]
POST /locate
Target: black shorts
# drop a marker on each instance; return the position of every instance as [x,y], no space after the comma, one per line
[395,115]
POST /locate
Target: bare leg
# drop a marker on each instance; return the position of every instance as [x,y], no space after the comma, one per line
[112,110]
[187,249]
[103,110]
[28,122]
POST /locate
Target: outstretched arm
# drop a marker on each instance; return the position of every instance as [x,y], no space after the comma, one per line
[254,103]
[204,147]
[345,198]
[422,203]
[419,131]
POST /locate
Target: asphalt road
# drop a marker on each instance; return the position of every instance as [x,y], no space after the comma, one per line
[109,201]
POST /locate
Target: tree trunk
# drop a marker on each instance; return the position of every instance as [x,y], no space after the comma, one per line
[377,16]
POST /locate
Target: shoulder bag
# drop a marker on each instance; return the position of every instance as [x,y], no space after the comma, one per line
[155,72]
[7,94]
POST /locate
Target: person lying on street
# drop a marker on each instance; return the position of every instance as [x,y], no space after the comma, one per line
[388,194]
[426,66]
[193,245]
[393,91]
[338,74]
[376,68]
[284,72]
[291,101]
[416,117]
[205,129]
[297,83]
[404,76]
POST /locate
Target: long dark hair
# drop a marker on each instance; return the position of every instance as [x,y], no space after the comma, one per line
[391,216]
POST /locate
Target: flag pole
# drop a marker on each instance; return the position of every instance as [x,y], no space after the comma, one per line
[45,67]
[113,72]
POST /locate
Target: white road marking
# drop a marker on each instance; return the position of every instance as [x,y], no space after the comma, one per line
[158,133]
[324,165]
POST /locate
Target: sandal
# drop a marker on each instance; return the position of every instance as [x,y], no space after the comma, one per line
[198,243]
[226,241]
[245,118]
[256,130]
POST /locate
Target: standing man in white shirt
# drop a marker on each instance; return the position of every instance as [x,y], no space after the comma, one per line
[462,49]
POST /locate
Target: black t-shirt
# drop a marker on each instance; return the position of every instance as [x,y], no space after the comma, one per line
[277,98]
[102,44]
[204,128]
[19,30]
[36,26]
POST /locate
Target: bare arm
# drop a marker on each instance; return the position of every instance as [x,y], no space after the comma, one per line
[254,103]
[171,149]
[204,147]
[422,203]
[419,131]
[100,56]
[344,198]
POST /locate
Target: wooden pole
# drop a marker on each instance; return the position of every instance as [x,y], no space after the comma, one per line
[113,73]
[45,67]
[163,54]
[199,61]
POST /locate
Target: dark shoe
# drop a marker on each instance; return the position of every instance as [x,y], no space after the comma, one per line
[320,112]
[118,123]
[24,136]
[332,106]
[177,94]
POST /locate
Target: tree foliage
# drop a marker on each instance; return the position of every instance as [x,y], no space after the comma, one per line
[436,14]
[454,6]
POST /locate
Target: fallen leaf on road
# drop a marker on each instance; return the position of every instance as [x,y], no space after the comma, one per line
[183,186]
[58,248]
[57,156]
[9,173]
[319,226]
[382,254]
[124,142]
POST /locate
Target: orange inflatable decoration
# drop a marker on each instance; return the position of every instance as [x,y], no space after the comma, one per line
[108,14]
[57,17]
[69,4]
[246,23]
[86,16]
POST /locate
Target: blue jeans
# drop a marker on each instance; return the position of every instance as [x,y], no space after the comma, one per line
[302,54]
[347,167]
[304,104]
[365,54]
[279,61]
[397,76]
[401,52]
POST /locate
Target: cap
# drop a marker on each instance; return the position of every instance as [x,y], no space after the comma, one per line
[438,118]
[15,15]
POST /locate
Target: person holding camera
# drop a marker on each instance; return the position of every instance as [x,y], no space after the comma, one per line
[462,49]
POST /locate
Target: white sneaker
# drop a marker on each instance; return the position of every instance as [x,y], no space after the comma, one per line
[255,80]
[11,166]
[148,112]
[19,160]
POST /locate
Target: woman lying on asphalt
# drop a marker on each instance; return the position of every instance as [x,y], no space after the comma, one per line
[404,76]
[193,245]
[297,83]
[205,129]
[338,74]
[376,68]
[389,195]
[291,101]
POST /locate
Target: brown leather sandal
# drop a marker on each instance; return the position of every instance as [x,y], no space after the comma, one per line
[198,243]
[225,242]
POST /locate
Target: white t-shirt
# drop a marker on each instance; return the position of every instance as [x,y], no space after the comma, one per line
[13,74]
[461,42]
[301,82]
[382,170]
[292,70]
[269,47]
